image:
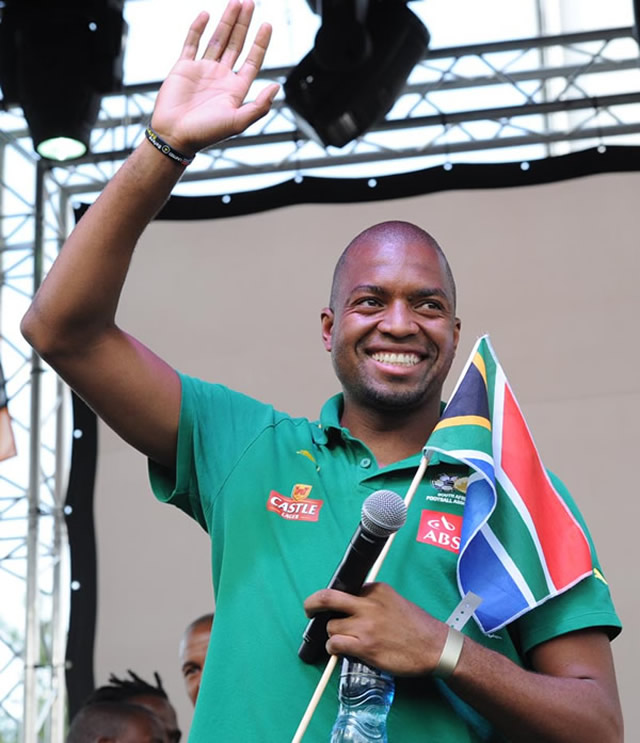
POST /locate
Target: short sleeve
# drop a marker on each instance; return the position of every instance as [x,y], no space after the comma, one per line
[588,604]
[216,426]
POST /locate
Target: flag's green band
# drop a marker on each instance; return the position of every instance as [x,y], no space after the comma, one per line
[450,654]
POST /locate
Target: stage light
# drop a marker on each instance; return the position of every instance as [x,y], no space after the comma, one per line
[56,62]
[361,59]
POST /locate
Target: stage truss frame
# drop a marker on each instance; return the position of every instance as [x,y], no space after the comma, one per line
[555,94]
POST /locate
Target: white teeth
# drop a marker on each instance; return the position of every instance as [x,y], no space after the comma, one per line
[402,359]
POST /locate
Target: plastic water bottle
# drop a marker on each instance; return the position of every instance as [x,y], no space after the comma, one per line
[365,695]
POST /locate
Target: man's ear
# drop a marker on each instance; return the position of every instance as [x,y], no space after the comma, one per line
[456,332]
[326,318]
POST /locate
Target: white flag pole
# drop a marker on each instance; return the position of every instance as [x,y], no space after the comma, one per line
[422,468]
[313,702]
[326,674]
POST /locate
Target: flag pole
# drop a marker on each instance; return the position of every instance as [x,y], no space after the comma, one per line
[313,702]
[331,664]
[422,468]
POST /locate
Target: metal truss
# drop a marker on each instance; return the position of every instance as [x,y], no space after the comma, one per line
[512,100]
[507,101]
[34,572]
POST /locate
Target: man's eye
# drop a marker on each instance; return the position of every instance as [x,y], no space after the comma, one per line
[368,302]
[430,304]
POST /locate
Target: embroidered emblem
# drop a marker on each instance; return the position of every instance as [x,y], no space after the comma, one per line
[300,492]
[440,530]
[298,508]
[461,484]
[448,483]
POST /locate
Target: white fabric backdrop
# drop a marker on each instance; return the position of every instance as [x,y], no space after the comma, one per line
[549,271]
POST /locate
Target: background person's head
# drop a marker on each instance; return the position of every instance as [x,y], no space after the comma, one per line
[192,653]
[136,690]
[118,722]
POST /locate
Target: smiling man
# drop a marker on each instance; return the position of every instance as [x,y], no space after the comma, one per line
[392,333]
[280,496]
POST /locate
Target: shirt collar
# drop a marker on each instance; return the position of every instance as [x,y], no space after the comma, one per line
[329,420]
[331,412]
[329,424]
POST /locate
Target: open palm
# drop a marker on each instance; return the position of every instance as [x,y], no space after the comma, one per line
[202,100]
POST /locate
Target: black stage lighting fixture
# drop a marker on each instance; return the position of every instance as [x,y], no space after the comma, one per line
[361,59]
[57,59]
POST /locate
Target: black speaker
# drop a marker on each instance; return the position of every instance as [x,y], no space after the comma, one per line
[355,72]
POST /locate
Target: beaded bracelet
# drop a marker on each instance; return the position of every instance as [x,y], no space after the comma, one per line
[166,149]
[450,654]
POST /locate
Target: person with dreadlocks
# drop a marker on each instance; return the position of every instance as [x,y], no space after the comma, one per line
[135,690]
[120,722]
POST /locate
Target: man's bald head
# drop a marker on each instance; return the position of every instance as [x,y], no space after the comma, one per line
[391,232]
[193,652]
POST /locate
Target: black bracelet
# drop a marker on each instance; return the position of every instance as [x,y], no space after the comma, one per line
[166,149]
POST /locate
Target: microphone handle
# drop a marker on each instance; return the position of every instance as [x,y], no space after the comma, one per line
[349,576]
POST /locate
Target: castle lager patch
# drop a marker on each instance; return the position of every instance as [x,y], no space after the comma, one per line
[298,508]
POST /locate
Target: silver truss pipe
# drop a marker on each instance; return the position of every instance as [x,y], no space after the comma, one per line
[59,611]
[458,117]
[418,88]
[511,112]
[322,162]
[59,623]
[32,623]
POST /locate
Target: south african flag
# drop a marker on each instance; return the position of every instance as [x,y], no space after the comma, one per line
[520,543]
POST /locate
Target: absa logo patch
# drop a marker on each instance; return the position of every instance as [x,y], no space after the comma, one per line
[440,529]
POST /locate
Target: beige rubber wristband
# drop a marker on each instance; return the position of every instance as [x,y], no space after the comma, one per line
[450,654]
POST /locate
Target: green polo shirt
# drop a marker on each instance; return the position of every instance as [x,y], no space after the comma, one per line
[281,498]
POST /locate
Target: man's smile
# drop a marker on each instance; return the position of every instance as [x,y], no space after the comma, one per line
[396,358]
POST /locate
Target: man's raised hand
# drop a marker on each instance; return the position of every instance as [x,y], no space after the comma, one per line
[202,101]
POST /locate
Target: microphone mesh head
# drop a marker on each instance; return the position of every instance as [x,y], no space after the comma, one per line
[383,513]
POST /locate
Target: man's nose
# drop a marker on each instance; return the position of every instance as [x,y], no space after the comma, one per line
[398,320]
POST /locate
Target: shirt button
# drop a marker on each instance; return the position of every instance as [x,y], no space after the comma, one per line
[365,462]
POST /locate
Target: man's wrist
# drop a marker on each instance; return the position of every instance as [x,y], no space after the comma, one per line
[450,655]
[167,149]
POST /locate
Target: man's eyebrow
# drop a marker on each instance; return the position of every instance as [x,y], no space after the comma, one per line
[436,292]
[371,288]
[418,294]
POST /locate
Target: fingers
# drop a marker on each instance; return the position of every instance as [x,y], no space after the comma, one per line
[190,47]
[227,41]
[229,36]
[345,645]
[254,110]
[238,35]
[255,57]
[329,599]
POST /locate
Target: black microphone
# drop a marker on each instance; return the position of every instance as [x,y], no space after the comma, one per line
[383,513]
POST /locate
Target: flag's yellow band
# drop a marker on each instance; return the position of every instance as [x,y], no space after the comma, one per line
[478,362]
[464,420]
